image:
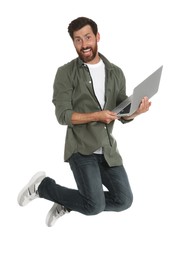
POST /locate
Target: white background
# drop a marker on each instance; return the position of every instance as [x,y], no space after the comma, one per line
[139,36]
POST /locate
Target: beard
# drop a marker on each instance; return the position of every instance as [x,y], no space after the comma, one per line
[88,57]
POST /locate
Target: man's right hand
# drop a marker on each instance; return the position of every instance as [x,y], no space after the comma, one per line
[105,116]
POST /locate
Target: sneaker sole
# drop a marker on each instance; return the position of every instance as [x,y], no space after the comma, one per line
[31,182]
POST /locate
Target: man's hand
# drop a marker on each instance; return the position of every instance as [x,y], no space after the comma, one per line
[144,107]
[106,116]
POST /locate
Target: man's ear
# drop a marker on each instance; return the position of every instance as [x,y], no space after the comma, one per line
[98,37]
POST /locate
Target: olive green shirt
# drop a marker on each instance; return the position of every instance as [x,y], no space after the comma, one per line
[74,92]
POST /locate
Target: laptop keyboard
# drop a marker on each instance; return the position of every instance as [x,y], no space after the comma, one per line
[125,110]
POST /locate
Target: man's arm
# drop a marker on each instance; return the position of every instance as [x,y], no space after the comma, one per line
[107,116]
[104,116]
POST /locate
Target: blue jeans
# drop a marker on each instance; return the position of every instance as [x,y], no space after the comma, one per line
[91,172]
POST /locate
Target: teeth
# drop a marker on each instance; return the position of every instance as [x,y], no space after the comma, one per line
[87,50]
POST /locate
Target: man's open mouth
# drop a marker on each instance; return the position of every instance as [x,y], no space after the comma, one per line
[86,50]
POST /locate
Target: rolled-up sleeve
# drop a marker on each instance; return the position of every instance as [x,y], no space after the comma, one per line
[62,96]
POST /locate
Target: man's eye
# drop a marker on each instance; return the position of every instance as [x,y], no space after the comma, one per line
[88,38]
[77,40]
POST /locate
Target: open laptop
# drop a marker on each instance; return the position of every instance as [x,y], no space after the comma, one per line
[147,88]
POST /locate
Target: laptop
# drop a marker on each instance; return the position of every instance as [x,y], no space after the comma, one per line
[147,88]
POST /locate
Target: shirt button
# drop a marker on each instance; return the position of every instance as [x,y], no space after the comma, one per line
[90,82]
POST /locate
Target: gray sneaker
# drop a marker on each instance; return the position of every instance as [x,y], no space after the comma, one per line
[29,192]
[54,213]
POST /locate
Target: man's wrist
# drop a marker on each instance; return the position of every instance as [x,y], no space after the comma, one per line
[130,117]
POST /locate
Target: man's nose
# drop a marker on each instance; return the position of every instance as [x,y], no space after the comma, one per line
[84,44]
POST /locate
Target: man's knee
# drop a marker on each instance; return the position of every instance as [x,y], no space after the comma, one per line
[95,208]
[125,202]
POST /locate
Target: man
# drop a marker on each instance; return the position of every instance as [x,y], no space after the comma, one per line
[85,92]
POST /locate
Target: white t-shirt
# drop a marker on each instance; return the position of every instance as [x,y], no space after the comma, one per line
[97,72]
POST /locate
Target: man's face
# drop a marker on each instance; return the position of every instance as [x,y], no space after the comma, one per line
[85,43]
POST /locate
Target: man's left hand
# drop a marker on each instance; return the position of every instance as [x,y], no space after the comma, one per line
[143,107]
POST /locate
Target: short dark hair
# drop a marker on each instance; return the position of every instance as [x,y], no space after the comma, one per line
[80,22]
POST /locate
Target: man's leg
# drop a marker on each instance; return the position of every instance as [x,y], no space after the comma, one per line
[89,199]
[119,195]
